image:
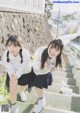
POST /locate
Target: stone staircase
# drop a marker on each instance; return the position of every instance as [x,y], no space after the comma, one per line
[63,103]
[55,101]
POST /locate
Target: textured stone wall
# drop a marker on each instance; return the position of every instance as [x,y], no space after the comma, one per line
[33,28]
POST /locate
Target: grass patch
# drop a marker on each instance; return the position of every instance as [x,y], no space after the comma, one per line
[4,95]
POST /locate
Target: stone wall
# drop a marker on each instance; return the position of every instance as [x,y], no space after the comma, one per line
[33,28]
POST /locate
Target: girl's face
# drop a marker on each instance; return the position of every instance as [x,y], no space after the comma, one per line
[14,50]
[53,52]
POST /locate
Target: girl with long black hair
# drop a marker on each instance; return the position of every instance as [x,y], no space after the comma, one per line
[45,59]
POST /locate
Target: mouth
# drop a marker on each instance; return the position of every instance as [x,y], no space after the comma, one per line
[12,52]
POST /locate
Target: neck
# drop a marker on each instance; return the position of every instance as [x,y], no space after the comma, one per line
[49,57]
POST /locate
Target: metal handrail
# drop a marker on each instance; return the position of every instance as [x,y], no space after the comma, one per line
[74,49]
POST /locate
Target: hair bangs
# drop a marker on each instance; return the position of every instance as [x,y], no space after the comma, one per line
[57,45]
[13,40]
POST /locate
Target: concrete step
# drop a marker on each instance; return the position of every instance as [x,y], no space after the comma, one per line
[69,81]
[67,69]
[54,110]
[71,60]
[56,87]
[63,101]
[25,107]
[63,74]
[55,103]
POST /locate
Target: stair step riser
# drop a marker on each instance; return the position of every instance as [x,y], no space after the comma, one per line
[56,88]
[69,81]
[63,74]
[53,110]
[62,101]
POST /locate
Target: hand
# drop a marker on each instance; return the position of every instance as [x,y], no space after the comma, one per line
[53,69]
[46,65]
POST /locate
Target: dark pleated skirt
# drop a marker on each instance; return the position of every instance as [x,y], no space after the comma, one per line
[25,79]
[43,81]
[31,79]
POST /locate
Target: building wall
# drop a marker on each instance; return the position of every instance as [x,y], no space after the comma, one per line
[35,6]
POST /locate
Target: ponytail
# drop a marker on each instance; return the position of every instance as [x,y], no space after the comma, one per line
[44,57]
[20,52]
[58,61]
[8,60]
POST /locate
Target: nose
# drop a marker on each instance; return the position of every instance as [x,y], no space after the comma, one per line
[12,48]
[57,53]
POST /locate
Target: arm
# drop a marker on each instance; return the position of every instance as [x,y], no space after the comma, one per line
[7,65]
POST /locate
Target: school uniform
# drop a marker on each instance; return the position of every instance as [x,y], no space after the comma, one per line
[44,76]
[14,66]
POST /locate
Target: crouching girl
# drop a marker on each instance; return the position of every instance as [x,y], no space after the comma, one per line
[18,63]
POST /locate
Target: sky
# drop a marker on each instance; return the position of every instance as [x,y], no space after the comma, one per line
[67,6]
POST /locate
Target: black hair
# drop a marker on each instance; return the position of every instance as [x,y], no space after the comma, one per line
[57,43]
[16,41]
[8,56]
[20,52]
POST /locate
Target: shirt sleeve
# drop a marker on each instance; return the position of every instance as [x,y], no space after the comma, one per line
[26,64]
[7,65]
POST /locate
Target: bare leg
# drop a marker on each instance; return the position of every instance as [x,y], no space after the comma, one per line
[13,95]
[22,94]
[22,88]
[13,90]
[39,92]
[40,104]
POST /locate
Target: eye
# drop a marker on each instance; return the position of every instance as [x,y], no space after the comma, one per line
[9,45]
[15,45]
[57,49]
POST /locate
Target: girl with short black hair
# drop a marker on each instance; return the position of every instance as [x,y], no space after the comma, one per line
[18,64]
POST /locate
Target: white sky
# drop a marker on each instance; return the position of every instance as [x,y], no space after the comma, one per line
[66,7]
